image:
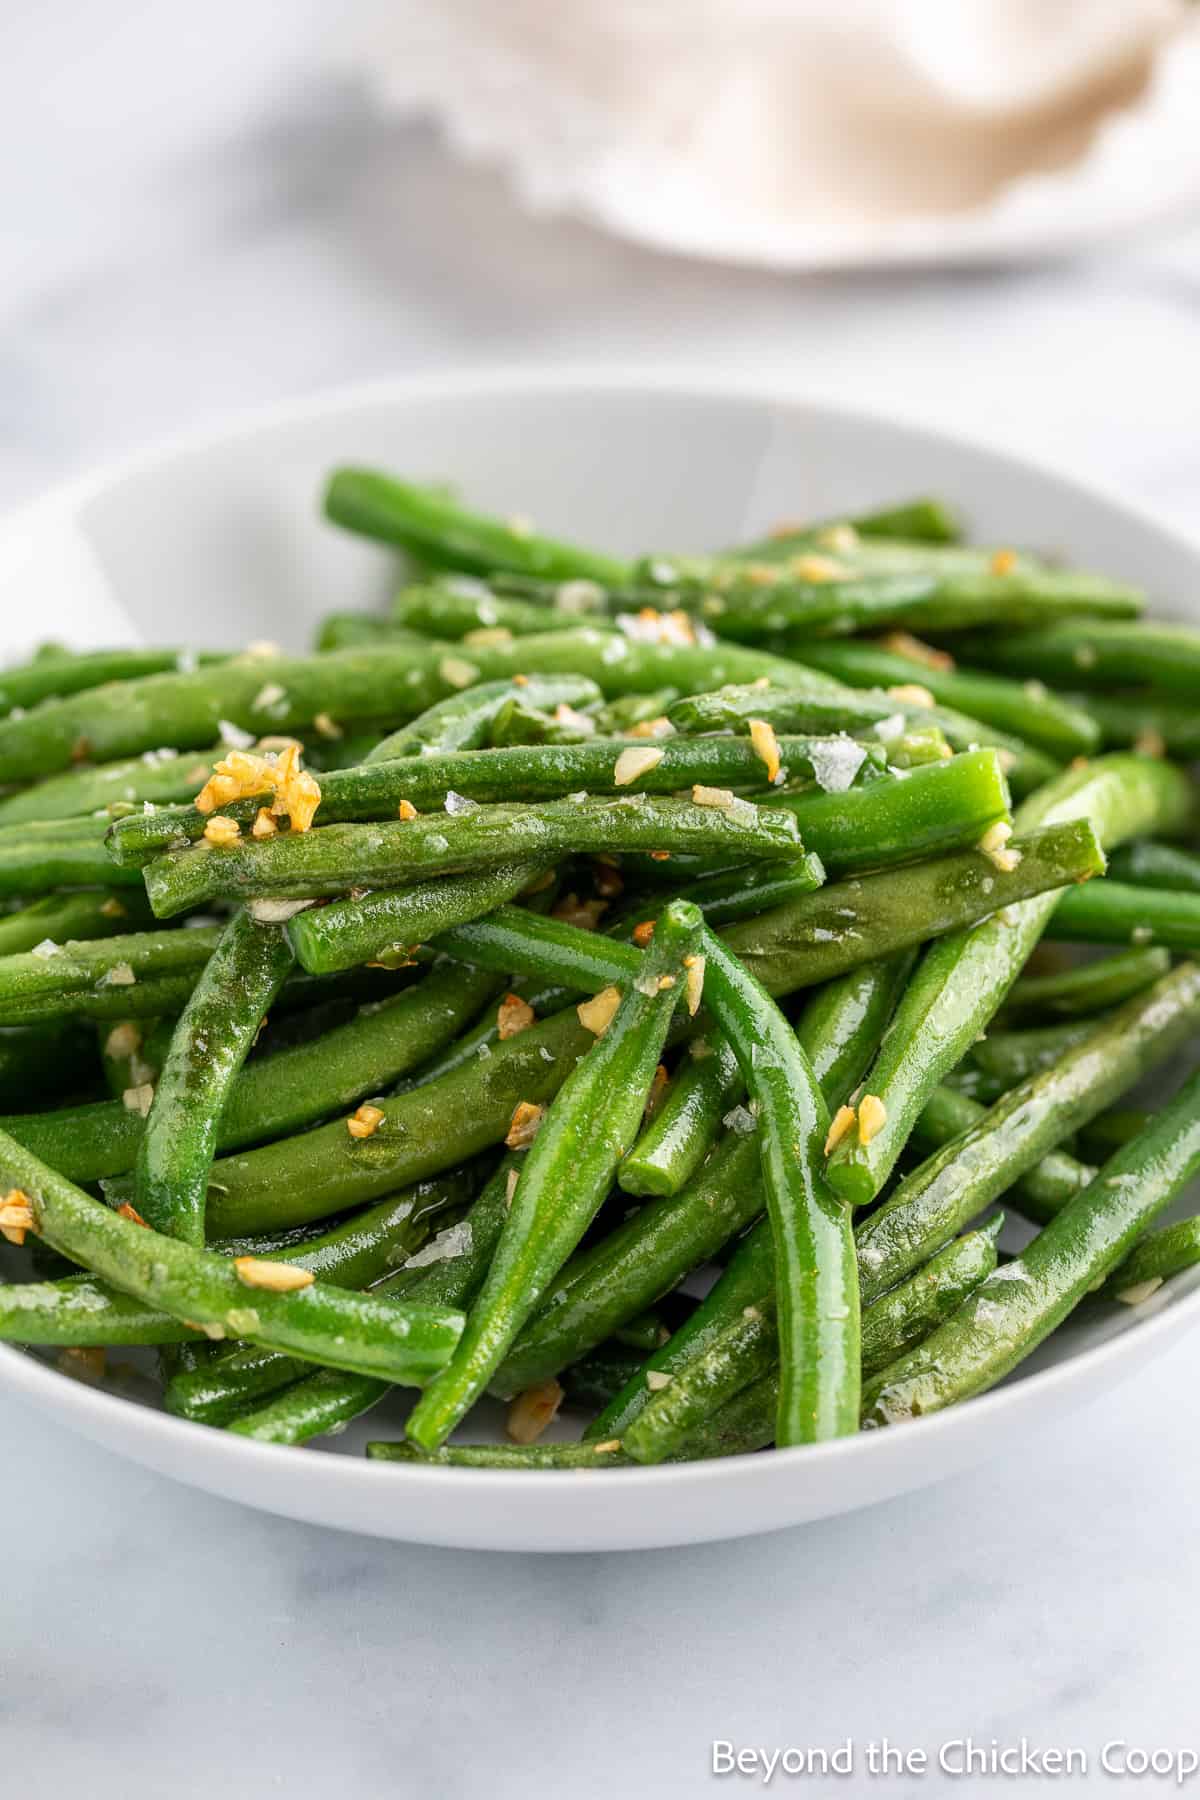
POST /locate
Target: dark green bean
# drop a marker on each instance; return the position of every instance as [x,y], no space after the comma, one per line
[159,775]
[962,980]
[54,672]
[565,1175]
[338,857]
[960,1179]
[212,1040]
[1119,914]
[1027,709]
[1085,987]
[390,924]
[1101,653]
[98,913]
[1149,865]
[57,853]
[1015,1308]
[463,721]
[429,523]
[284,1091]
[387,1338]
[1158,1256]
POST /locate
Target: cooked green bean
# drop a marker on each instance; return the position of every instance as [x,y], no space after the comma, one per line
[954,1184]
[54,853]
[463,721]
[95,913]
[565,1175]
[817,1290]
[1027,709]
[389,1338]
[391,923]
[430,524]
[1145,721]
[38,1062]
[159,775]
[338,857]
[54,672]
[282,1092]
[658,1246]
[1085,987]
[962,980]
[1120,914]
[1146,865]
[264,695]
[437,781]
[1159,1255]
[655,1419]
[925,521]
[1040,1193]
[1015,1308]
[828,706]
[84,1310]
[212,1040]
[121,963]
[331,1398]
[1101,652]
[684,1128]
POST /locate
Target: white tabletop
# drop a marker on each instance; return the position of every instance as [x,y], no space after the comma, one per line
[202,216]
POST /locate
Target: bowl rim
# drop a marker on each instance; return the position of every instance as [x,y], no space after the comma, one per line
[89,1409]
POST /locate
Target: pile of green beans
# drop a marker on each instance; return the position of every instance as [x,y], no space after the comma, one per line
[436,1009]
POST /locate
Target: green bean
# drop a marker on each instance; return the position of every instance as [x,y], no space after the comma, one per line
[1015,1308]
[962,980]
[1027,709]
[958,1181]
[943,806]
[649,1253]
[212,1040]
[404,1343]
[431,524]
[744,1351]
[1144,865]
[523,1457]
[850,922]
[672,1146]
[1085,987]
[458,606]
[120,965]
[920,599]
[832,707]
[596,1379]
[756,888]
[463,721]
[817,1290]
[160,775]
[331,1397]
[424,1131]
[621,666]
[565,1176]
[541,772]
[54,853]
[925,521]
[386,1236]
[435,1126]
[1132,721]
[838,1020]
[390,924]
[1158,1256]
[338,857]
[1040,1193]
[85,1310]
[40,1061]
[282,1092]
[1102,652]
[98,913]
[1119,914]
[56,672]
[259,694]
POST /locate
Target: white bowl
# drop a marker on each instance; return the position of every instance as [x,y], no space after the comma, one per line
[219,540]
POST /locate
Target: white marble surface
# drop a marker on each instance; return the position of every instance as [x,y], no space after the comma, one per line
[200,213]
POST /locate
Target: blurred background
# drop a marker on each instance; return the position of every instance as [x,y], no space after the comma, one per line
[984,215]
